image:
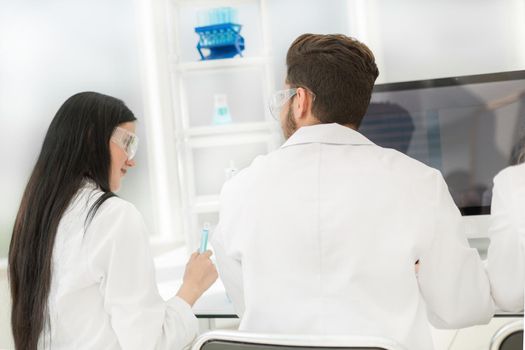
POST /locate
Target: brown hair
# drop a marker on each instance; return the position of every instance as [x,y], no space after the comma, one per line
[339,70]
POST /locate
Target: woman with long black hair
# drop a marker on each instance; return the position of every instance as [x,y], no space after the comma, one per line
[80,271]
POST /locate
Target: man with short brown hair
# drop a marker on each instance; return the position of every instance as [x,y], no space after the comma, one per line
[321,236]
[341,69]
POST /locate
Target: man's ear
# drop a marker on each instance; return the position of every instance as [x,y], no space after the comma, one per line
[301,103]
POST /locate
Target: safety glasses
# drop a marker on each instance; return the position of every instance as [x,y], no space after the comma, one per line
[280,98]
[128,141]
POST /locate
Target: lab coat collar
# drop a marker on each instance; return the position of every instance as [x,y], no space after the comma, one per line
[327,133]
[89,183]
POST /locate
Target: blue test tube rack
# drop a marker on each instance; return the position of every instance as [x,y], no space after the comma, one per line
[223,40]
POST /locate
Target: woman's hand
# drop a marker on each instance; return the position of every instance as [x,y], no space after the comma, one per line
[199,275]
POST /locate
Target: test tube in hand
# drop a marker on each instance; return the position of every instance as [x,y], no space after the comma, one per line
[204,237]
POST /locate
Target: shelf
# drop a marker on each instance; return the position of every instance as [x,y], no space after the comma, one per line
[206,204]
[219,140]
[227,63]
[207,150]
[230,129]
[195,3]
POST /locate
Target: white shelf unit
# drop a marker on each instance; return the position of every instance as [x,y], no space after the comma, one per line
[204,150]
[221,64]
[229,129]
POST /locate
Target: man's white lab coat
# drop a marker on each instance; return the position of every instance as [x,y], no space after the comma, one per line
[506,258]
[321,237]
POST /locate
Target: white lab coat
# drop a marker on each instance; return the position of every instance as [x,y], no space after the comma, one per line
[103,291]
[506,258]
[321,237]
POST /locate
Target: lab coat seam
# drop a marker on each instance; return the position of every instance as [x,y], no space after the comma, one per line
[89,251]
[328,133]
[512,202]
[501,233]
[504,228]
[437,196]
[326,143]
[502,210]
[427,250]
[321,291]
[109,240]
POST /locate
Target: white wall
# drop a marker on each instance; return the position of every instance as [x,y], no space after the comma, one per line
[50,50]
[412,39]
[290,18]
[415,39]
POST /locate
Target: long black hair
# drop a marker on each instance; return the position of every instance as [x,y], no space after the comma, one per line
[76,148]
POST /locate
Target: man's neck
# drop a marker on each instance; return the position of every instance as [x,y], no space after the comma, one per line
[351,126]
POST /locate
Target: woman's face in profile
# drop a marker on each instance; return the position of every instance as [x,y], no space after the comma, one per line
[119,160]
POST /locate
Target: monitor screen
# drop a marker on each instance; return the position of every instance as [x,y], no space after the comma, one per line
[468,127]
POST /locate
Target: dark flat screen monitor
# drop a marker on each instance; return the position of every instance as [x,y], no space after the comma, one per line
[468,127]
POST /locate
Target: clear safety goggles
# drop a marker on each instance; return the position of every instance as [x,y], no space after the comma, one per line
[280,98]
[126,140]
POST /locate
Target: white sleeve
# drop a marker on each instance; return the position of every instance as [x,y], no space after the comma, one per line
[230,271]
[452,279]
[506,260]
[227,239]
[120,259]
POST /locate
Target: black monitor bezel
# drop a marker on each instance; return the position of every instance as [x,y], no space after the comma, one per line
[454,81]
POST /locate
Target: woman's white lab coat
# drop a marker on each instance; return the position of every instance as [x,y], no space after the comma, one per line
[506,257]
[103,291]
[321,237]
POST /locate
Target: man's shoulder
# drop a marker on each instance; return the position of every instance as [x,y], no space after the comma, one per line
[512,177]
[393,162]
[248,175]
[405,165]
[512,172]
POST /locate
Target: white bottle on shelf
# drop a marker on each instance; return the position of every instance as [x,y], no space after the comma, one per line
[222,111]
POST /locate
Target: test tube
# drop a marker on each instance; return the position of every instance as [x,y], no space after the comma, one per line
[204,237]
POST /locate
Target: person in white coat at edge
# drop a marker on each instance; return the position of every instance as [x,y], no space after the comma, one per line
[80,270]
[506,257]
[322,235]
